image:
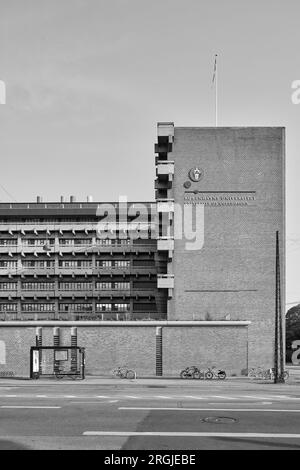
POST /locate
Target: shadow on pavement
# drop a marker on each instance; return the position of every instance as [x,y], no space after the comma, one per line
[11,445]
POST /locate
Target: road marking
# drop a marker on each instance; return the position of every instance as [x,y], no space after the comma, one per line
[194,397]
[131,396]
[193,434]
[41,396]
[98,396]
[25,406]
[224,397]
[258,410]
[69,396]
[10,396]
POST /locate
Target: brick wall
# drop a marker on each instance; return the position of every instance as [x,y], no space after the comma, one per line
[109,347]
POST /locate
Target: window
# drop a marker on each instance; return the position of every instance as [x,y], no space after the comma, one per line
[8,285]
[8,307]
[38,264]
[69,264]
[38,241]
[38,285]
[103,285]
[103,264]
[38,307]
[104,241]
[84,307]
[103,307]
[8,264]
[122,285]
[75,285]
[121,264]
[8,241]
[122,307]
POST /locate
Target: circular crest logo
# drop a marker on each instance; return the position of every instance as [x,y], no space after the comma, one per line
[195,174]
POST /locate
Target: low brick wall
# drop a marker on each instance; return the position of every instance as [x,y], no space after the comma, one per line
[108,347]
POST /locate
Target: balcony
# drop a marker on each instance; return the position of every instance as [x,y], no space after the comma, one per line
[165,168]
[165,129]
[165,205]
[165,244]
[165,281]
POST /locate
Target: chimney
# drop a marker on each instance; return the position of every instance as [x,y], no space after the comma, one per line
[90,199]
[38,199]
[62,200]
[72,199]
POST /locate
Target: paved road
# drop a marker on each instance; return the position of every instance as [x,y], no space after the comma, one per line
[178,415]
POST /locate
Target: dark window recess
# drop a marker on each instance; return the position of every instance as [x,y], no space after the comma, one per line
[143,262]
[144,307]
[144,285]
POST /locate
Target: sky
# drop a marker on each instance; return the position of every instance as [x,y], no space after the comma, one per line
[87,81]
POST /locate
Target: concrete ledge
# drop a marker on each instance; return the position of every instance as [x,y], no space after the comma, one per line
[28,323]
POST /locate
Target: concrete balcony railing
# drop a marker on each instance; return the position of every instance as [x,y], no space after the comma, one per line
[165,281]
[165,244]
[165,168]
[165,205]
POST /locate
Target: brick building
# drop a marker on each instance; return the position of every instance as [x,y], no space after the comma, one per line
[197,265]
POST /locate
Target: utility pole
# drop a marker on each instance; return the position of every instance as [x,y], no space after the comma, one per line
[278,347]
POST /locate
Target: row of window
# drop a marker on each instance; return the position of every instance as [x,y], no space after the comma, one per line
[64,241]
[50,307]
[66,264]
[39,286]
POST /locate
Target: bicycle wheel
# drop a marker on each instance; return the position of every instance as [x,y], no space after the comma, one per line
[251,374]
[209,375]
[222,376]
[130,374]
[183,374]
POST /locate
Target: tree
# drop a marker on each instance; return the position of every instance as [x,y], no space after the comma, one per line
[292,323]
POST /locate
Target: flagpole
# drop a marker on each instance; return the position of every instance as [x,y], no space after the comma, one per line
[216,91]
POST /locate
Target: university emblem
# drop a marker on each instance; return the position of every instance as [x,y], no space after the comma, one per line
[195,174]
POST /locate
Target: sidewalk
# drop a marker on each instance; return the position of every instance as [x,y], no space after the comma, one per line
[151,382]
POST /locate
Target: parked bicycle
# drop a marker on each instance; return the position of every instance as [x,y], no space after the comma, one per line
[190,372]
[269,374]
[265,374]
[124,373]
[214,373]
[256,373]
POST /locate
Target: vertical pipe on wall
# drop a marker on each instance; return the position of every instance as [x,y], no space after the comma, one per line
[74,361]
[56,342]
[39,343]
[159,368]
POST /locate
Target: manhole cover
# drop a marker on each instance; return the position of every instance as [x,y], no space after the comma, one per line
[219,420]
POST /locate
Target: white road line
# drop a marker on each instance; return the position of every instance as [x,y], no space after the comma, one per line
[164,396]
[193,397]
[10,396]
[41,396]
[258,410]
[70,396]
[194,434]
[25,406]
[98,396]
[131,396]
[224,397]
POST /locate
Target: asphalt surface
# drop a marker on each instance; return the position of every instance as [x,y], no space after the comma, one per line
[137,415]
